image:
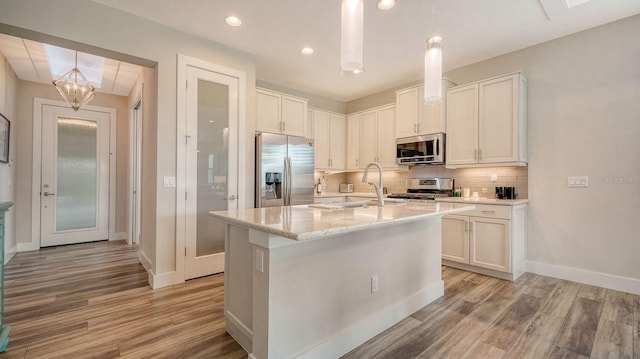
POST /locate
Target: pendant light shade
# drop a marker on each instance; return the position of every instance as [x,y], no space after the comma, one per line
[433,70]
[352,37]
[74,88]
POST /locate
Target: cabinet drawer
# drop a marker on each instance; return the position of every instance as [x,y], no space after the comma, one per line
[484,210]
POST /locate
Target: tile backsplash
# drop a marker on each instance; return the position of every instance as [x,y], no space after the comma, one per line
[473,178]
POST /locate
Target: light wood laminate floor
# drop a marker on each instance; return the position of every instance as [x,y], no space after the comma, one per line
[93,301]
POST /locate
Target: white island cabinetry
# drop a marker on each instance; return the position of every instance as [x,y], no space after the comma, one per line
[490,239]
[299,280]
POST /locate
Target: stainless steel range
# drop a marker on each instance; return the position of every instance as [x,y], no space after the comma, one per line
[426,189]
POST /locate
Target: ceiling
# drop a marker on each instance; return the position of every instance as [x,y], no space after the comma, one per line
[28,60]
[275,30]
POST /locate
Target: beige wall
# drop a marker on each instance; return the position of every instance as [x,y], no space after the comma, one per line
[27,92]
[145,90]
[583,121]
[103,27]
[8,92]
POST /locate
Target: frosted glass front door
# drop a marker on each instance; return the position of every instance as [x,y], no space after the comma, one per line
[74,193]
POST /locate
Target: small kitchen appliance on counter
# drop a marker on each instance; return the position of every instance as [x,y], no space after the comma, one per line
[346,188]
[426,189]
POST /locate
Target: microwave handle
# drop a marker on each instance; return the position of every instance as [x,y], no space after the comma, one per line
[437,147]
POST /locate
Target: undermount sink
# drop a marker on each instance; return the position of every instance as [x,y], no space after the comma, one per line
[355,204]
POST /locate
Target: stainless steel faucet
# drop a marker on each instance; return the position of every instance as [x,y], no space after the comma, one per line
[378,188]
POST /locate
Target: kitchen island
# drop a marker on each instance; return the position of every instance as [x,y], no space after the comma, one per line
[304,282]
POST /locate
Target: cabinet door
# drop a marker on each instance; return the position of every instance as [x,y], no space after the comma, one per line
[353,142]
[368,137]
[490,243]
[294,116]
[386,136]
[321,134]
[498,125]
[407,112]
[455,238]
[310,123]
[336,141]
[432,118]
[462,125]
[267,111]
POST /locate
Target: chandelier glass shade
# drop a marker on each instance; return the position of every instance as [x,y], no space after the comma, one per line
[74,88]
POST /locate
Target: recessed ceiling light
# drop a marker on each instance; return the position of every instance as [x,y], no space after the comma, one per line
[572,3]
[386,4]
[307,51]
[233,21]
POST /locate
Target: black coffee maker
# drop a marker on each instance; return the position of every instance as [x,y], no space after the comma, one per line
[506,193]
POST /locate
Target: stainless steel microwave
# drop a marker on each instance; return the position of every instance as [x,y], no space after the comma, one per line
[420,150]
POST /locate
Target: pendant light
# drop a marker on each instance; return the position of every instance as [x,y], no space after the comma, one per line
[74,88]
[351,37]
[433,66]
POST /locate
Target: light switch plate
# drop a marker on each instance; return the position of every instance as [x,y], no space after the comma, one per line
[169,182]
[578,182]
[494,177]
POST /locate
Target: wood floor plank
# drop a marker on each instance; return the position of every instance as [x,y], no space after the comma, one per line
[457,340]
[482,350]
[380,342]
[508,327]
[579,328]
[613,340]
[561,299]
[618,307]
[562,353]
[537,338]
[592,292]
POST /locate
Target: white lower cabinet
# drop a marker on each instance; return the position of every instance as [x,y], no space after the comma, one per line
[490,240]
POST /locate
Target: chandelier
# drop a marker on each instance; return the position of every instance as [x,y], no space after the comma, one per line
[74,88]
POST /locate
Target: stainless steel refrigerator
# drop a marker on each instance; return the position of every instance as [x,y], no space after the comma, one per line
[284,170]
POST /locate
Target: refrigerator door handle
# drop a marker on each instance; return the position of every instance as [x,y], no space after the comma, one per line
[286,182]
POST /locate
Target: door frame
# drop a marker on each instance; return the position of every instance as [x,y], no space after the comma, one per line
[36,177]
[181,149]
[135,168]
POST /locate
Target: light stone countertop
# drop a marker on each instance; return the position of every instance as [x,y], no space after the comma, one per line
[345,194]
[306,223]
[471,201]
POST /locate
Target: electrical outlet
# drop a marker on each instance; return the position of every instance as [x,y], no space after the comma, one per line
[494,177]
[578,181]
[374,283]
[484,190]
[259,261]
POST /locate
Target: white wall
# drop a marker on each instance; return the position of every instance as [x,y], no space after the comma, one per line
[8,92]
[104,27]
[584,106]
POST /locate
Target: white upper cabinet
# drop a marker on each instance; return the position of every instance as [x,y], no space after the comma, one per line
[487,123]
[353,142]
[414,118]
[280,113]
[329,139]
[371,138]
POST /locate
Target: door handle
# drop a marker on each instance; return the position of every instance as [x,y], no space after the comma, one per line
[47,194]
[231,197]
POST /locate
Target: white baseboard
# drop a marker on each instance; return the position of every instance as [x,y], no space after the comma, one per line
[163,280]
[623,284]
[27,246]
[240,332]
[349,338]
[10,253]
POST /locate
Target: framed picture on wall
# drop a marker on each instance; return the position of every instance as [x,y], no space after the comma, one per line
[4,139]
